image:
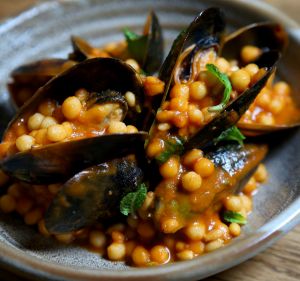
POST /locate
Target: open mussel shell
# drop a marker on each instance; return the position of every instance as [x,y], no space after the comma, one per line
[94,193]
[231,114]
[205,31]
[27,78]
[256,129]
[82,50]
[94,75]
[56,162]
[267,36]
[154,51]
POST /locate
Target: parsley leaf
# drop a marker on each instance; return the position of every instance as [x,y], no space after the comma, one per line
[133,200]
[137,44]
[223,78]
[230,216]
[231,134]
[172,146]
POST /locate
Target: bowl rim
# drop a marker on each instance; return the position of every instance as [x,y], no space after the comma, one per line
[16,260]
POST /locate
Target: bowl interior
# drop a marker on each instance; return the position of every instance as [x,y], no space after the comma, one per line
[45,30]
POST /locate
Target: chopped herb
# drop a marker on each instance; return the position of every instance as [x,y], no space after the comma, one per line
[133,200]
[130,35]
[137,44]
[230,216]
[223,78]
[172,146]
[231,134]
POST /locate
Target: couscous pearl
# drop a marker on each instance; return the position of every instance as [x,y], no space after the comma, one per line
[133,63]
[195,115]
[25,142]
[130,98]
[265,119]
[252,69]
[33,216]
[35,121]
[250,186]
[282,88]
[185,255]
[192,156]
[140,256]
[131,129]
[47,122]
[191,181]
[68,128]
[47,107]
[222,64]
[276,105]
[146,230]
[116,251]
[97,238]
[233,203]
[234,229]
[250,53]
[65,238]
[160,254]
[24,205]
[7,203]
[213,235]
[117,127]
[56,133]
[170,168]
[195,231]
[214,245]
[170,225]
[153,86]
[180,91]
[240,80]
[204,167]
[178,104]
[71,107]
[198,90]
[261,174]
[155,147]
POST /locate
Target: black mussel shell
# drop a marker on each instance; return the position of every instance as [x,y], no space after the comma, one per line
[94,193]
[28,78]
[267,36]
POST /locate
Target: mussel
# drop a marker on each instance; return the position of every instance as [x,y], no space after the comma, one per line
[232,161]
[27,78]
[146,49]
[200,41]
[266,38]
[58,161]
[91,194]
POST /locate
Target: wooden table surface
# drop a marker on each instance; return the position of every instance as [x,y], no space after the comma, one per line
[281,262]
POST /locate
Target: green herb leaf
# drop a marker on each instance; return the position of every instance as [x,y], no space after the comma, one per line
[230,216]
[133,200]
[137,45]
[172,146]
[223,78]
[231,134]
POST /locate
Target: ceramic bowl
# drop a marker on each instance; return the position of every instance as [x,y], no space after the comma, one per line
[44,31]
